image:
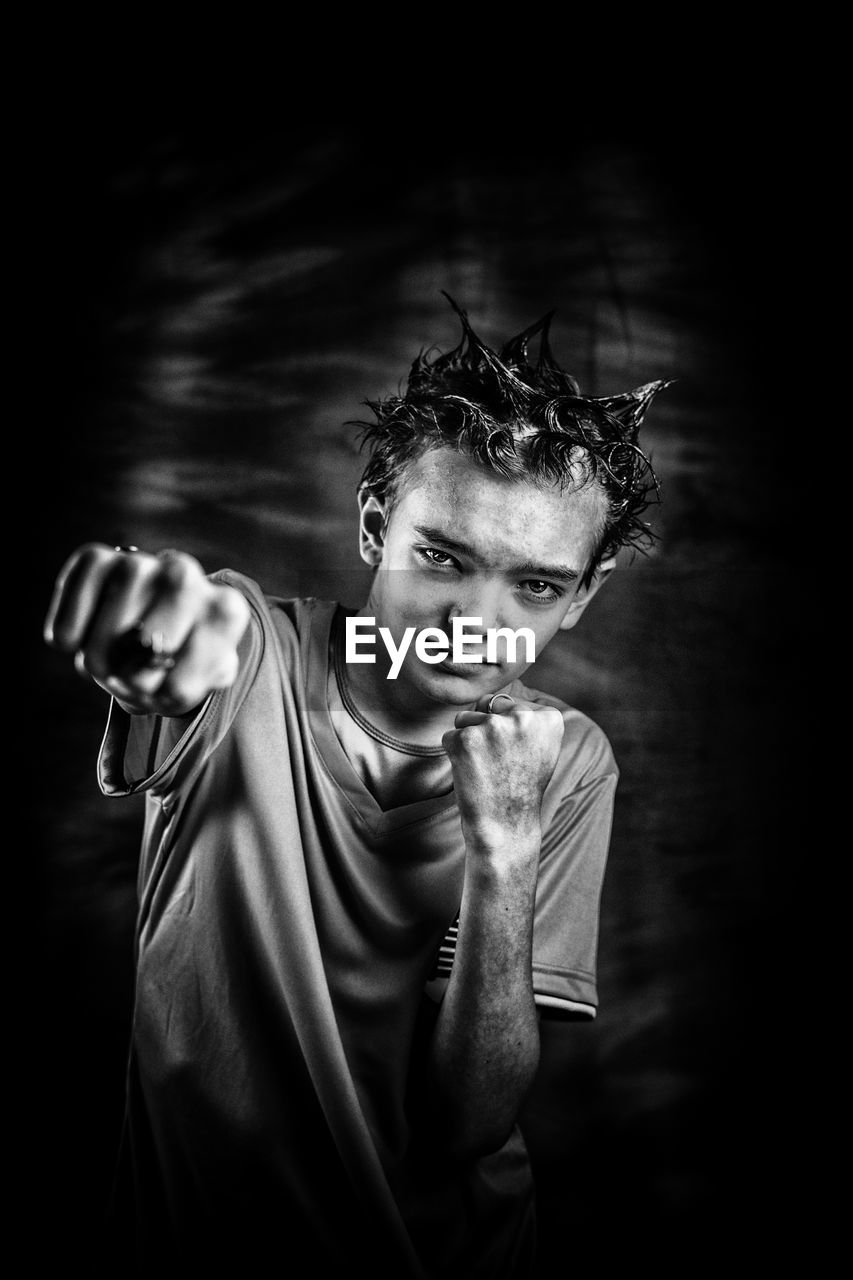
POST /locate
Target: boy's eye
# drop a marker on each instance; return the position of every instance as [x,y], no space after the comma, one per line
[541,590]
[435,556]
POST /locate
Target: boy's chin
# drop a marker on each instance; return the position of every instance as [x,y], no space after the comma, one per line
[460,685]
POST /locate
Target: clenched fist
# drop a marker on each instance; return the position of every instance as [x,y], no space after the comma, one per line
[150,629]
[502,763]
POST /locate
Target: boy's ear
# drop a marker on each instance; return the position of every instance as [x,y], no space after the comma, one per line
[585,594]
[371,527]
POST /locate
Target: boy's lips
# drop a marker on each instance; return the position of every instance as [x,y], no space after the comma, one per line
[466,668]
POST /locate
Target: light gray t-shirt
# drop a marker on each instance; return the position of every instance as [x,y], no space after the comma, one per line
[288,931]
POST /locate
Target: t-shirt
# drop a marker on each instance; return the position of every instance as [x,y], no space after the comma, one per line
[287,966]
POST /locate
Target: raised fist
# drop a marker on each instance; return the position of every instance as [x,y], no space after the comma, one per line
[502,762]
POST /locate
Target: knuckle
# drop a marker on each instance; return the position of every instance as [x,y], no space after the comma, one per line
[555,719]
[177,569]
[121,574]
[94,548]
[79,566]
[228,608]
[92,555]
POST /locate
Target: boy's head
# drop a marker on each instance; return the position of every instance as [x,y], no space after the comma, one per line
[520,420]
[496,491]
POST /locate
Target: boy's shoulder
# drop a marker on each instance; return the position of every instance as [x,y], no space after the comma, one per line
[298,613]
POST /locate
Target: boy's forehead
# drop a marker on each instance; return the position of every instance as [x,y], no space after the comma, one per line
[448,489]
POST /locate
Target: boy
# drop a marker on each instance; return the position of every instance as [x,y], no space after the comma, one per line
[372,857]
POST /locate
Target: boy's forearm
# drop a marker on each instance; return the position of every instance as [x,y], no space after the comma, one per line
[485,1047]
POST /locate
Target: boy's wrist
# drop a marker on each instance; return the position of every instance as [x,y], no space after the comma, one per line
[500,850]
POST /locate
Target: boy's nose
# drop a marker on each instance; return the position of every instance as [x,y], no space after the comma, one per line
[479,605]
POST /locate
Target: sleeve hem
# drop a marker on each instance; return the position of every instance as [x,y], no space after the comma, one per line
[573,991]
[558,1004]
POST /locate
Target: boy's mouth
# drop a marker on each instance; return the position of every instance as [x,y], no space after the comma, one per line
[466,668]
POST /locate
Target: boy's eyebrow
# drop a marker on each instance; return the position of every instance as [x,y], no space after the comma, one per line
[527,568]
[530,570]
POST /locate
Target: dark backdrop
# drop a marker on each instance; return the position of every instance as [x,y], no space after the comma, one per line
[209,305]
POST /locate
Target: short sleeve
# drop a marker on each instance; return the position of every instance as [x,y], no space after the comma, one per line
[568,895]
[158,755]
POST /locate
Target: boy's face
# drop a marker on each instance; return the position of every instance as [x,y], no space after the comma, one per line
[463,541]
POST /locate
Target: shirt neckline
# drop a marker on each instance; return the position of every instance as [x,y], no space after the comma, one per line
[378,735]
[317,653]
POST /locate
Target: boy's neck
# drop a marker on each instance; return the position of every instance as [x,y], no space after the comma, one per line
[394,706]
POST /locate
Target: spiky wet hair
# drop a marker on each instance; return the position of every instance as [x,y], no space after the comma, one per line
[524,421]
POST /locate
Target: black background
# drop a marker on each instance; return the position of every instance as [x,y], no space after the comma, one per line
[209,296]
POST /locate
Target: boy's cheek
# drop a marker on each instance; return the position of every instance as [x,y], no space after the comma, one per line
[413,598]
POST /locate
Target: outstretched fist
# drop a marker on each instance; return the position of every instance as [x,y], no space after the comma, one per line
[150,629]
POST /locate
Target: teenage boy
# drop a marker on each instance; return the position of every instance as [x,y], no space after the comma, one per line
[372,857]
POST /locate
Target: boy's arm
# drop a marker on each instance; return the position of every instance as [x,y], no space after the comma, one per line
[485,1048]
[151,630]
